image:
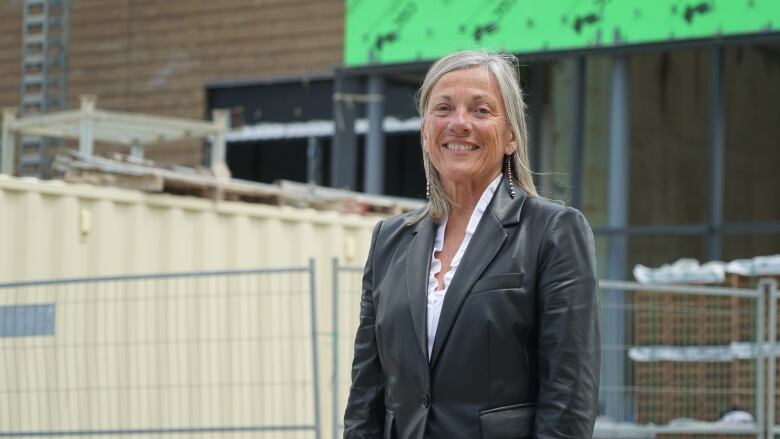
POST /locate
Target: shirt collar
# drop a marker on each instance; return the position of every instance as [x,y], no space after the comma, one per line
[476,215]
[482,204]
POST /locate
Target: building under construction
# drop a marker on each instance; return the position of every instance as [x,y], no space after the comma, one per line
[659,120]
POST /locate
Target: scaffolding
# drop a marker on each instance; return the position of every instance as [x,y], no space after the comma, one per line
[89,125]
[44,77]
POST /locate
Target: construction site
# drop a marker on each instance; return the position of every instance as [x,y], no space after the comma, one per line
[188,190]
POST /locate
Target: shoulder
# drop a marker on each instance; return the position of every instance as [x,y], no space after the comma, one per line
[541,210]
[547,214]
[399,223]
[543,207]
[391,229]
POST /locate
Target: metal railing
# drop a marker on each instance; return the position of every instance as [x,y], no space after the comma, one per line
[174,353]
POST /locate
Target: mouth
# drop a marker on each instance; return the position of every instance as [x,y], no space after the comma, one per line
[460,147]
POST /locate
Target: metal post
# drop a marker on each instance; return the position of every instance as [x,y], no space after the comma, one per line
[343,151]
[760,389]
[7,143]
[535,111]
[616,405]
[136,150]
[771,285]
[335,325]
[221,119]
[374,165]
[578,108]
[86,134]
[314,161]
[315,357]
[717,152]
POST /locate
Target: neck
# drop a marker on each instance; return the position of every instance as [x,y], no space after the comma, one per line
[465,195]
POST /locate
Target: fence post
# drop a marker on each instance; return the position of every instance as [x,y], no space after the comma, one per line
[315,358]
[335,334]
[760,394]
[770,285]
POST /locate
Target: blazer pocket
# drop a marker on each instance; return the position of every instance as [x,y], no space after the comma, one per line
[498,282]
[388,432]
[508,422]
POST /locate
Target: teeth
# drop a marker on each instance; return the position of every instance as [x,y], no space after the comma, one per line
[461,147]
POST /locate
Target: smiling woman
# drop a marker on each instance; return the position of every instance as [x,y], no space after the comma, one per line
[478,315]
[465,132]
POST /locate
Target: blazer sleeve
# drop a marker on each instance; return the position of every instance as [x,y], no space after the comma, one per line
[569,344]
[365,412]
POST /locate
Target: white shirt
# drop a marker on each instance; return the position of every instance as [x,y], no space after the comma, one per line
[436,297]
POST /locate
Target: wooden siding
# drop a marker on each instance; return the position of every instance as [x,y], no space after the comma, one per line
[155,56]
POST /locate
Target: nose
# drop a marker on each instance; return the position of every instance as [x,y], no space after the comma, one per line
[459,121]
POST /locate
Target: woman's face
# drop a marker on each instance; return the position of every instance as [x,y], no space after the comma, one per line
[465,131]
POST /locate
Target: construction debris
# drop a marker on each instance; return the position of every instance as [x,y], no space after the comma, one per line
[144,175]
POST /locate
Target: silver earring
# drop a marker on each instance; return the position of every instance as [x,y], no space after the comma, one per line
[509,176]
[427,178]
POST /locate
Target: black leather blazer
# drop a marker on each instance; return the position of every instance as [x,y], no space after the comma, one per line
[517,348]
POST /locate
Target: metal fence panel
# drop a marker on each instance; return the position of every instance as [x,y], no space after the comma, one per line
[224,353]
[693,354]
[347,288]
[770,287]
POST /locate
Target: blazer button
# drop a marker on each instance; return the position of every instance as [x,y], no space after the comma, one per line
[425,401]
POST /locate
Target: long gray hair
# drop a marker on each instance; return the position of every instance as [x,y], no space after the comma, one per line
[504,67]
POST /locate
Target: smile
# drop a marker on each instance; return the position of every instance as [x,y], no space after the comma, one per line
[460,147]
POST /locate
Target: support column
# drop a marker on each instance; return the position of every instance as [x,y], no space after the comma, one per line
[86,133]
[7,143]
[314,161]
[374,165]
[716,153]
[578,134]
[343,161]
[136,150]
[617,404]
[535,111]
[218,162]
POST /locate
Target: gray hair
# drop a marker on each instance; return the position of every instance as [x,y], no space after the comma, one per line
[504,68]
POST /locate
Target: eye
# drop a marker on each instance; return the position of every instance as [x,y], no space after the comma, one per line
[440,108]
[483,110]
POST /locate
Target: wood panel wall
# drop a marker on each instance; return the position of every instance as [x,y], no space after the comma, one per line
[155,56]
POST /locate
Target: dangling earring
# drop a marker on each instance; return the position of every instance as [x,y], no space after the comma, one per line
[509,176]
[427,166]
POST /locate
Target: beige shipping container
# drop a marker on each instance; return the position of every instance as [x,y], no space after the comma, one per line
[54,229]
[156,354]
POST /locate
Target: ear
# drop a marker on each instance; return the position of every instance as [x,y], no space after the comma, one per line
[511,146]
[424,135]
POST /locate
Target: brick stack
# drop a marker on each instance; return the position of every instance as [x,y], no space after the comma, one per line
[702,390]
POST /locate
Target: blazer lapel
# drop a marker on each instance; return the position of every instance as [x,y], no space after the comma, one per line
[417,267]
[487,240]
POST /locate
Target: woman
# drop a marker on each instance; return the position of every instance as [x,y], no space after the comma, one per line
[479,315]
